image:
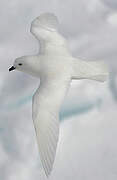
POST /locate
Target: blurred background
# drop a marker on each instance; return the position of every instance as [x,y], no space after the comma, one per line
[87,148]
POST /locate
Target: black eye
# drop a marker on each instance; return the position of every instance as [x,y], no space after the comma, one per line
[20,64]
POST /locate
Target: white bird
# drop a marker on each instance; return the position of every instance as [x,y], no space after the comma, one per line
[55,67]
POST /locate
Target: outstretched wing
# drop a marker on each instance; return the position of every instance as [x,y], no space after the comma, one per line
[45,29]
[46,104]
[90,70]
[46,21]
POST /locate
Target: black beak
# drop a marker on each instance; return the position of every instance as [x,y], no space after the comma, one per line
[12,68]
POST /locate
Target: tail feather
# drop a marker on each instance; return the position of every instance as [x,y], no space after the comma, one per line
[90,70]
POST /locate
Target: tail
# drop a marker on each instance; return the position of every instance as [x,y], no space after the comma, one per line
[90,70]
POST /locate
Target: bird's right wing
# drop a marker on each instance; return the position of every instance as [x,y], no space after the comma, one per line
[46,104]
[90,70]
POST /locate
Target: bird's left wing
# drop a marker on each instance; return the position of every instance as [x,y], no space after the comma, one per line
[47,21]
[45,29]
[46,104]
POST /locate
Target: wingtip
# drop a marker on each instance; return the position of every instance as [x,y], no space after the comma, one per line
[47,172]
[45,20]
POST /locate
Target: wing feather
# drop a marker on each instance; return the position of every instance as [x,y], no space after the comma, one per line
[46,122]
[45,29]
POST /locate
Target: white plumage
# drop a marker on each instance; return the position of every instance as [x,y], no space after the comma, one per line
[55,67]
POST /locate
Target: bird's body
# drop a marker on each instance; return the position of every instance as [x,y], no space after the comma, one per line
[55,67]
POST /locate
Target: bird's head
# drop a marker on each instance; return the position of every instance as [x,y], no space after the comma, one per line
[27,64]
[18,65]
